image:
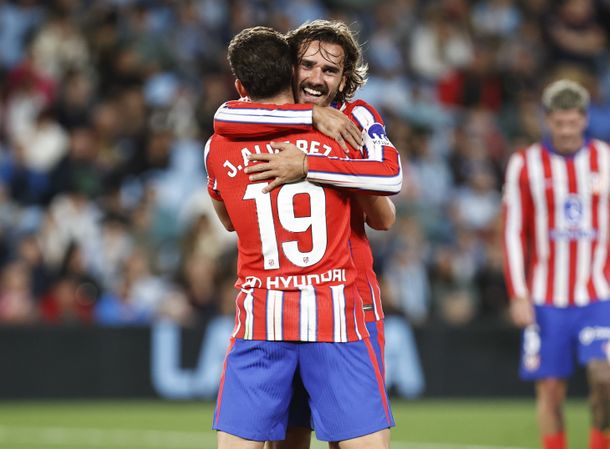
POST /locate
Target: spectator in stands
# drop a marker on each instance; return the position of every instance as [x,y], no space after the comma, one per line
[68,301]
[17,305]
[575,34]
[29,251]
[104,105]
[439,46]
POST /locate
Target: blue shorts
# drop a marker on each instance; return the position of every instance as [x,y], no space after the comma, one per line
[299,413]
[548,347]
[343,383]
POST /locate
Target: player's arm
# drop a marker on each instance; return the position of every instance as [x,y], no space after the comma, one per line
[380,211]
[379,173]
[517,206]
[216,197]
[223,215]
[248,120]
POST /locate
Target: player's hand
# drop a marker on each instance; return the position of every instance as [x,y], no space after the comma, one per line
[522,311]
[287,165]
[338,126]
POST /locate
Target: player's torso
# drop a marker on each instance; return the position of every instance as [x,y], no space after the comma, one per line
[366,280]
[295,269]
[569,226]
[363,115]
[296,229]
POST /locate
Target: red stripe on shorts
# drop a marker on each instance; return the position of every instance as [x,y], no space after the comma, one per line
[222,379]
[380,383]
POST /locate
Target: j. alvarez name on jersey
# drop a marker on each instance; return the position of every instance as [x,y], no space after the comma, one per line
[380,171]
[307,146]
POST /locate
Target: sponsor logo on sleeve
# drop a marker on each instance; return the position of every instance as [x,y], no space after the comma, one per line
[378,136]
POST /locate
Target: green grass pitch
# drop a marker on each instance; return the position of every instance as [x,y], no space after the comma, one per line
[425,424]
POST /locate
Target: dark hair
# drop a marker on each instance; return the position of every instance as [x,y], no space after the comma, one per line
[262,60]
[333,32]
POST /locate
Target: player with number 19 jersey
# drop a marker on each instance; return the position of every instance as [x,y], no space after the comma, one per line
[295,273]
[379,172]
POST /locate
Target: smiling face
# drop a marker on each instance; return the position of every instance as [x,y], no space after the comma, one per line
[319,73]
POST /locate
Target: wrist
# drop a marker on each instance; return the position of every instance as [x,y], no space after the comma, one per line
[304,166]
[315,111]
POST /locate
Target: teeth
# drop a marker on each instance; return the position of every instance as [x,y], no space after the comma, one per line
[312,92]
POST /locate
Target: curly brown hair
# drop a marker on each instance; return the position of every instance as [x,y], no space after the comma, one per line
[333,32]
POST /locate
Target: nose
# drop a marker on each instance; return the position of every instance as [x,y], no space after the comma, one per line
[316,76]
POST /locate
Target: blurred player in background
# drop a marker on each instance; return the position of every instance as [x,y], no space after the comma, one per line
[329,69]
[556,204]
[298,309]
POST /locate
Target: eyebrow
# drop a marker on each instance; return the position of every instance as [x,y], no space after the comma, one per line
[326,66]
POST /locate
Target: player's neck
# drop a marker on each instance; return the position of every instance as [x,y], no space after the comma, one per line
[281,98]
[567,148]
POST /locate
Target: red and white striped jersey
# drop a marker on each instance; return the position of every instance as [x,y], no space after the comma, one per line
[238,119]
[556,225]
[365,116]
[379,173]
[295,273]
[235,119]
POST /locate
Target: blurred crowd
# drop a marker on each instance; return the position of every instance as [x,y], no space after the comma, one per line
[105,106]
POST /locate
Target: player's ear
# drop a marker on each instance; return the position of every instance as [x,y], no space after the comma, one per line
[342,84]
[241,90]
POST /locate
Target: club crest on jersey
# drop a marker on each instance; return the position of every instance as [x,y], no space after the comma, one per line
[573,210]
[377,133]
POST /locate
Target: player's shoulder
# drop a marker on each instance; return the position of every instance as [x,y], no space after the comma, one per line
[522,151]
[207,147]
[359,105]
[362,112]
[214,144]
[521,157]
[242,103]
[247,104]
[599,144]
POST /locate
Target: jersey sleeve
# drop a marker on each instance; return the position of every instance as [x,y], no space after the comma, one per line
[380,170]
[517,209]
[246,120]
[209,168]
